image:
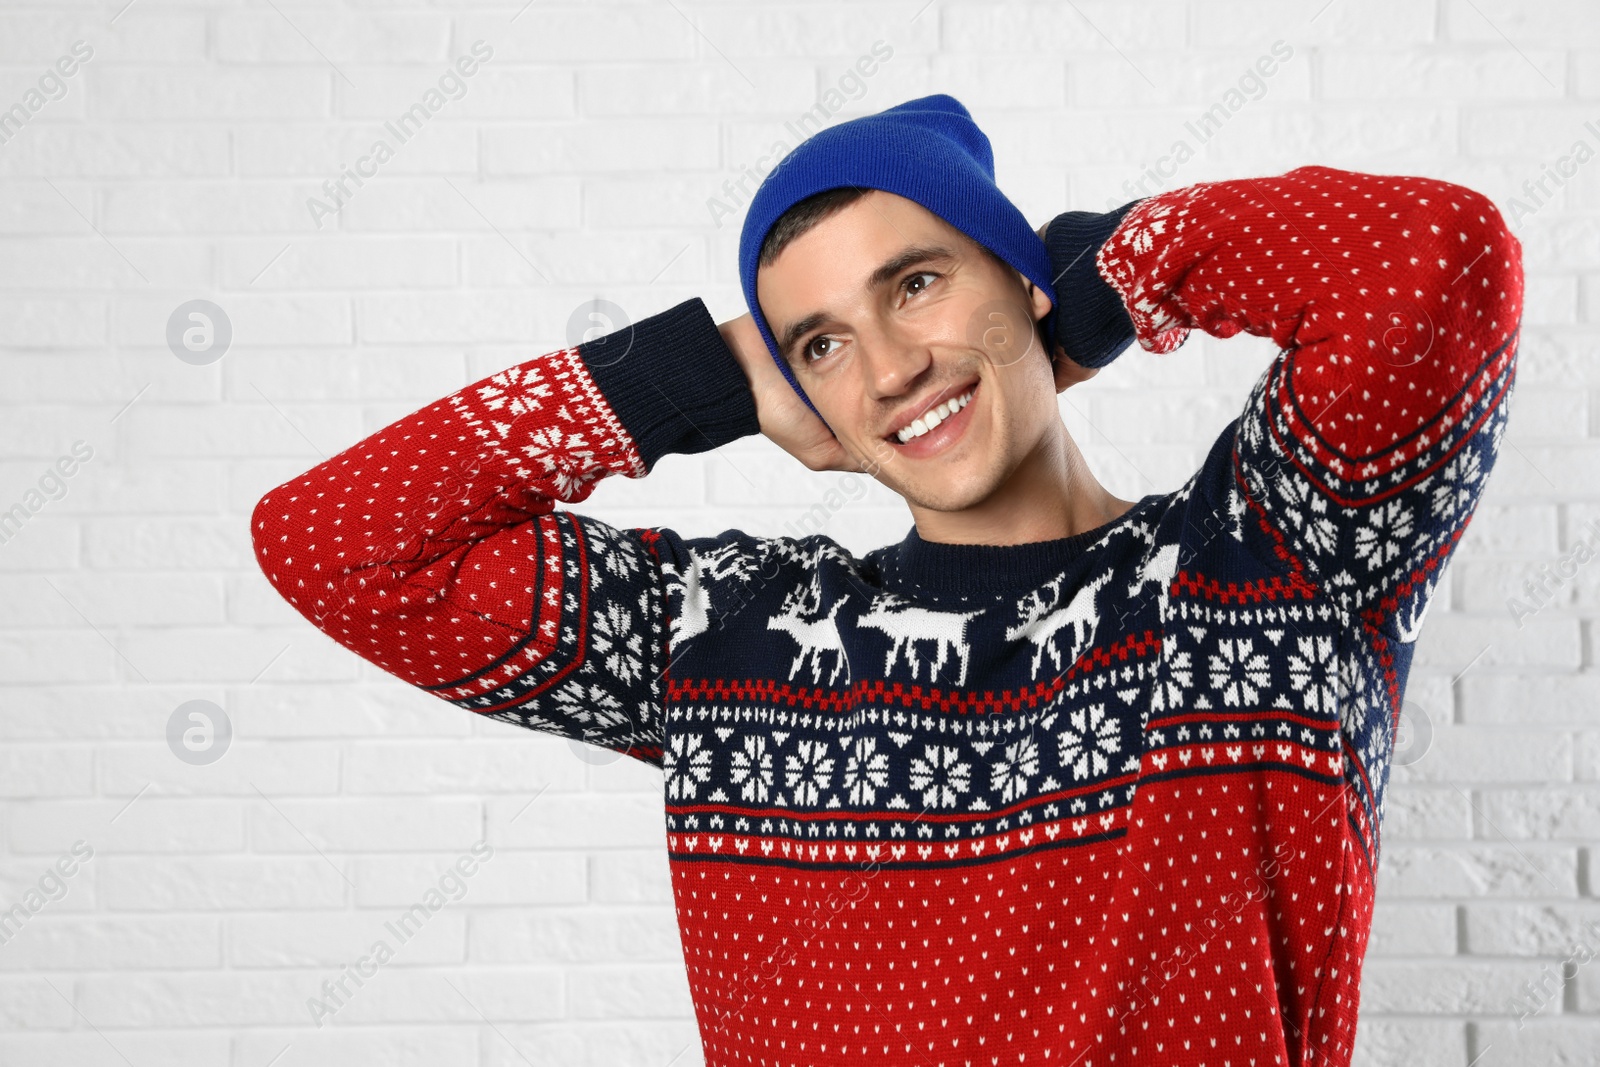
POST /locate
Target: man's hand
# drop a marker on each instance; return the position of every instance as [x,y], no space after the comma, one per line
[1068,373]
[784,417]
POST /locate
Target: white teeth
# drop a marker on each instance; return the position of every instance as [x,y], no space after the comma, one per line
[934,417]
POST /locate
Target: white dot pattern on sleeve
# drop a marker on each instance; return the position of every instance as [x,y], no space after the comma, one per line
[1176,865]
[432,550]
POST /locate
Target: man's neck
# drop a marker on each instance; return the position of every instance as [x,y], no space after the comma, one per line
[1052,494]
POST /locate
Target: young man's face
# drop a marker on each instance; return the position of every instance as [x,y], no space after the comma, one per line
[887,313]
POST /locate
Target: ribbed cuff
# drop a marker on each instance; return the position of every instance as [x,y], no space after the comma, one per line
[1089,320]
[673,383]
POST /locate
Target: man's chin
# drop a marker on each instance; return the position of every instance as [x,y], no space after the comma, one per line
[954,480]
[953,492]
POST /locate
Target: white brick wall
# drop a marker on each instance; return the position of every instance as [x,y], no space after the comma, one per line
[578,165]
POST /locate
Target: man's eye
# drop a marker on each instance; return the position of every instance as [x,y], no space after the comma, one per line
[914,285]
[813,352]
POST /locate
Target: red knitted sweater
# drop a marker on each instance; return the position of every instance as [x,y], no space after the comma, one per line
[1113,799]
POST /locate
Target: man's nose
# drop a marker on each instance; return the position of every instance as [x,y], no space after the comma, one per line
[891,359]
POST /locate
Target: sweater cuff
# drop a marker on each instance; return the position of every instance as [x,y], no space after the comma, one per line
[673,383]
[1089,320]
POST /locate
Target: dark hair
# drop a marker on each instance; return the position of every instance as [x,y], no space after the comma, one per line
[802,216]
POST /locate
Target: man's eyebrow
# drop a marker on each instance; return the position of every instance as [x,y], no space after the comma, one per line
[909,258]
[884,274]
[792,335]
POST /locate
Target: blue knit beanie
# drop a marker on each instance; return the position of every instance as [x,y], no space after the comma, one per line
[927,150]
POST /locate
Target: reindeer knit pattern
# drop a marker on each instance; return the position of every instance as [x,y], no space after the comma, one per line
[1107,800]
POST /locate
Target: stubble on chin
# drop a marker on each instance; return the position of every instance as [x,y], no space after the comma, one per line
[957,487]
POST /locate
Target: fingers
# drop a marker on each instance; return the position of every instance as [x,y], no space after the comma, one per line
[1068,373]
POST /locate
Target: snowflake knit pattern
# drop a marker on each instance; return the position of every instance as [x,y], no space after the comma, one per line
[1110,799]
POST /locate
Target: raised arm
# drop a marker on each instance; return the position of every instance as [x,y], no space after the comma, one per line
[433,548]
[1396,302]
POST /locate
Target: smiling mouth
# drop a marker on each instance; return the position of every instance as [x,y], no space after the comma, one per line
[930,419]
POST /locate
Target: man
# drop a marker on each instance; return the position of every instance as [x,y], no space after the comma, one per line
[1059,777]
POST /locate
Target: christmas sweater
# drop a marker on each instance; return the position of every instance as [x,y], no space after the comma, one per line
[1108,799]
